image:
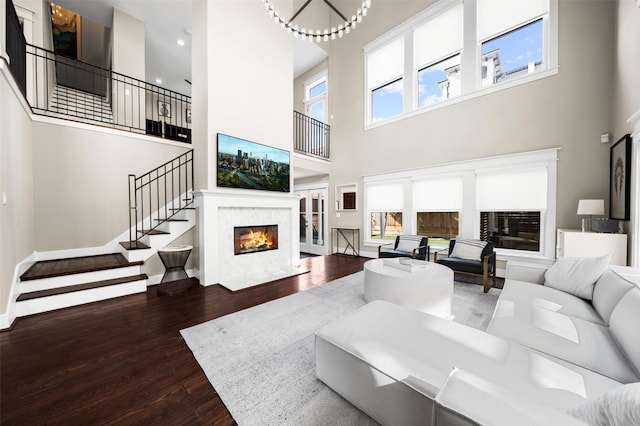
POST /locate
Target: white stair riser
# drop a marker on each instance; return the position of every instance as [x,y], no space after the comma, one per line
[50,303]
[87,277]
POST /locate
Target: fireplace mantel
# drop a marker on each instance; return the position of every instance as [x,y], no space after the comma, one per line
[220,211]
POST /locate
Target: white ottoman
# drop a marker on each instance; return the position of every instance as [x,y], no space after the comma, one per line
[425,286]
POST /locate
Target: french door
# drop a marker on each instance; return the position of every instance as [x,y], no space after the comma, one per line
[313,220]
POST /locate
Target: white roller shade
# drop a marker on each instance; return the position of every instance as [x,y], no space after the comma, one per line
[497,16]
[385,64]
[439,37]
[512,190]
[440,194]
[385,197]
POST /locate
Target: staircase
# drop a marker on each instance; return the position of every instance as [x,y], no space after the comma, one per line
[115,269]
[67,101]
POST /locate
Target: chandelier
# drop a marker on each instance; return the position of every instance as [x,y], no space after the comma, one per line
[319,35]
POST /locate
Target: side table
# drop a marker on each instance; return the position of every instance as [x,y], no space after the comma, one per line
[174,258]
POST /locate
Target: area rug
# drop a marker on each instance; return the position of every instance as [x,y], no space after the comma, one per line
[261,360]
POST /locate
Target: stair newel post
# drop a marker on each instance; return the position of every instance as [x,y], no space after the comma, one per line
[133,206]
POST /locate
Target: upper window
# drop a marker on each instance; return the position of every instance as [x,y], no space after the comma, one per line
[315,97]
[385,82]
[441,54]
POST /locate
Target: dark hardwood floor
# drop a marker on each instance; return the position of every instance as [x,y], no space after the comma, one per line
[123,361]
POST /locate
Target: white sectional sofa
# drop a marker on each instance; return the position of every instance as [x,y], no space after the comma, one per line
[548,357]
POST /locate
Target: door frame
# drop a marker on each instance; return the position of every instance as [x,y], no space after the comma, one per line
[307,190]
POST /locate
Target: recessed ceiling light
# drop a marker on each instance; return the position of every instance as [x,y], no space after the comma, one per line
[180,42]
[158,81]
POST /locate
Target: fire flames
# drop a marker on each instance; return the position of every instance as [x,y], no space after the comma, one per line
[256,240]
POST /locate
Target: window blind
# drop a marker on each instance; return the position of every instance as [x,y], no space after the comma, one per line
[439,37]
[438,194]
[385,197]
[497,16]
[512,190]
[385,64]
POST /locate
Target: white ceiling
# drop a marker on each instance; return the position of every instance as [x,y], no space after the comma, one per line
[166,21]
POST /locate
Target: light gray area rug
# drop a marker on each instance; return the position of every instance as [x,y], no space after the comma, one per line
[261,360]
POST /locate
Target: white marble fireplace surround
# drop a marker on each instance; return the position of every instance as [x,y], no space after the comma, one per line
[220,211]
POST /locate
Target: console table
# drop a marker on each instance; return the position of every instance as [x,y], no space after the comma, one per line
[574,242]
[352,238]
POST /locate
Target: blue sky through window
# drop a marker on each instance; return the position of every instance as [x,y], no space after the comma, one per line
[318,89]
[519,47]
[386,101]
[428,78]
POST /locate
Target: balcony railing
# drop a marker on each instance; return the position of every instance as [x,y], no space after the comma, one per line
[310,136]
[67,88]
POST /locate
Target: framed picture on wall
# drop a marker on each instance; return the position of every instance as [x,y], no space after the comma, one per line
[620,179]
[164,109]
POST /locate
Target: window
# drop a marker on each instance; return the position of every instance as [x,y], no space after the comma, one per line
[437,46]
[512,203]
[315,97]
[386,101]
[439,81]
[512,54]
[385,83]
[511,230]
[454,49]
[437,201]
[384,209]
[509,199]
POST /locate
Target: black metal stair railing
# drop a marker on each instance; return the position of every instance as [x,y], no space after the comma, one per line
[70,89]
[157,196]
[310,136]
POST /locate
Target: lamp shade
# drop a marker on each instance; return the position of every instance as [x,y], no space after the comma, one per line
[591,207]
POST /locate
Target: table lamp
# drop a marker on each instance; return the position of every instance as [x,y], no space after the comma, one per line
[590,208]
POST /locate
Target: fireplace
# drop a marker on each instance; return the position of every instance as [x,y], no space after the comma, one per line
[251,239]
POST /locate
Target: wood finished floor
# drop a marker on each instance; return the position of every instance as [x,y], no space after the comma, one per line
[123,361]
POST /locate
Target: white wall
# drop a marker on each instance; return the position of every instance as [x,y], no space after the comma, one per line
[17,230]
[80,176]
[569,110]
[626,67]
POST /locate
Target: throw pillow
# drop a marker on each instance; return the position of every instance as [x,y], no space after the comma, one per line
[576,275]
[468,249]
[407,244]
[617,407]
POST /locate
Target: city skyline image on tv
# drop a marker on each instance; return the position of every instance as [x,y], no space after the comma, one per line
[251,165]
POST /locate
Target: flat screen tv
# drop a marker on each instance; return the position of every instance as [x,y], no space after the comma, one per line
[251,165]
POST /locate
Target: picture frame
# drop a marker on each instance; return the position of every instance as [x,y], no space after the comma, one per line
[164,109]
[188,115]
[620,179]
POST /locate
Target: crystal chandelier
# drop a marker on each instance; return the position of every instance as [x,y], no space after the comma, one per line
[319,35]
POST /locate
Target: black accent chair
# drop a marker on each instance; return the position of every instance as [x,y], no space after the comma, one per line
[413,246]
[484,267]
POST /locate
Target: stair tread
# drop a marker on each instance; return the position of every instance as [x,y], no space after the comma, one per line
[76,265]
[153,232]
[172,220]
[134,245]
[79,287]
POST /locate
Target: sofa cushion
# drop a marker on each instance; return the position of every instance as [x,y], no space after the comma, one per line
[617,407]
[468,249]
[408,244]
[405,343]
[608,291]
[576,275]
[549,298]
[624,326]
[580,342]
[462,265]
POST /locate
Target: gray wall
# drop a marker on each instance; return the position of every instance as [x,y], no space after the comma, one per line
[569,110]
